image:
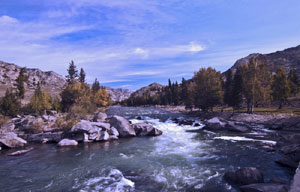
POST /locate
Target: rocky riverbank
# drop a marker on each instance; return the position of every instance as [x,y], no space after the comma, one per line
[20,131]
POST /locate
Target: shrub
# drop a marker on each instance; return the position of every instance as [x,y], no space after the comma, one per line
[10,104]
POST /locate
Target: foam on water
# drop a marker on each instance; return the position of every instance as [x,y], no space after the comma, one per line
[238,138]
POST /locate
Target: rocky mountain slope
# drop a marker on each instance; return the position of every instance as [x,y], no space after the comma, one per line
[289,59]
[118,95]
[50,81]
[149,90]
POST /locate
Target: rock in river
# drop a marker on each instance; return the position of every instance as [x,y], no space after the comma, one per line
[214,124]
[145,129]
[123,126]
[244,176]
[67,142]
[11,140]
[100,117]
[264,187]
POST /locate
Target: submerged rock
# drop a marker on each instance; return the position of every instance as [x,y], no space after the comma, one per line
[236,127]
[21,152]
[67,142]
[286,161]
[123,126]
[145,129]
[264,187]
[244,176]
[11,140]
[48,137]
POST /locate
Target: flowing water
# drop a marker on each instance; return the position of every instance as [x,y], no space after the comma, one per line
[176,161]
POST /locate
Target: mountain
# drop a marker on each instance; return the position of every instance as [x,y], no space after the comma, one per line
[288,59]
[148,91]
[118,95]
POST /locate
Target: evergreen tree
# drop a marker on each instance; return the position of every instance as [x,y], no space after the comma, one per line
[169,93]
[237,89]
[40,101]
[184,90]
[294,82]
[96,86]
[175,93]
[280,86]
[72,72]
[21,79]
[228,88]
[10,104]
[82,76]
[190,96]
[208,88]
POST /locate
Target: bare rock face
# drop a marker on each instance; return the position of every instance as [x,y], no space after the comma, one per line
[123,126]
[244,176]
[118,95]
[67,142]
[11,140]
[144,129]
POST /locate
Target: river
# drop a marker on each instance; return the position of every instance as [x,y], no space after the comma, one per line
[176,161]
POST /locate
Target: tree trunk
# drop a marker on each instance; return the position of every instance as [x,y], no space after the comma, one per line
[280,104]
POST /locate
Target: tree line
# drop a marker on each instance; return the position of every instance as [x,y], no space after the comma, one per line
[77,97]
[248,85]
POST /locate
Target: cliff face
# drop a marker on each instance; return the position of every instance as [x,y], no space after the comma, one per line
[288,59]
[118,95]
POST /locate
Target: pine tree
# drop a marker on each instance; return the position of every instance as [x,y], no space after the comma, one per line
[40,101]
[237,89]
[280,86]
[72,72]
[82,76]
[228,88]
[21,79]
[294,82]
[10,104]
[96,86]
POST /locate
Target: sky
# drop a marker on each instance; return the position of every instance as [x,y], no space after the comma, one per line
[132,43]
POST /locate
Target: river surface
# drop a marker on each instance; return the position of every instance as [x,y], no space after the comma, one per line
[176,161]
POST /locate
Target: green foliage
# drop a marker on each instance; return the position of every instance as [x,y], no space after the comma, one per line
[56,104]
[10,104]
[280,86]
[237,89]
[21,79]
[96,86]
[40,101]
[294,82]
[208,88]
[228,88]
[72,72]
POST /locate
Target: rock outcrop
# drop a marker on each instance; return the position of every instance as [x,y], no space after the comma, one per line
[145,129]
[244,176]
[11,140]
[123,126]
[264,187]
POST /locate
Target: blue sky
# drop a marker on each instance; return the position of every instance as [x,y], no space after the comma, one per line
[132,43]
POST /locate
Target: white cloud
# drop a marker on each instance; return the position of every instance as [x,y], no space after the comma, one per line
[7,20]
[194,47]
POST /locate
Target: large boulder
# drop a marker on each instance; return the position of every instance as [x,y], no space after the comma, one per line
[48,137]
[244,176]
[295,187]
[100,117]
[145,129]
[9,127]
[236,127]
[264,187]
[123,126]
[67,142]
[214,124]
[11,140]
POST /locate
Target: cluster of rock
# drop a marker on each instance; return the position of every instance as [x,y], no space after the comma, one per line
[98,128]
[251,179]
[218,124]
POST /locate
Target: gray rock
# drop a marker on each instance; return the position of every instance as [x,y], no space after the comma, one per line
[264,187]
[89,127]
[123,126]
[244,176]
[11,140]
[80,137]
[145,129]
[67,142]
[100,117]
[214,124]
[8,127]
[114,131]
[103,136]
[233,126]
[295,187]
[286,161]
[21,152]
[113,137]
